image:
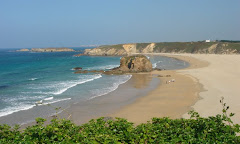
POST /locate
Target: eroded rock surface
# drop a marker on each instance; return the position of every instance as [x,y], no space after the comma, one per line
[128,64]
[138,63]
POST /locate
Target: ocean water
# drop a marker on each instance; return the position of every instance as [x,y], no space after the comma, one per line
[27,77]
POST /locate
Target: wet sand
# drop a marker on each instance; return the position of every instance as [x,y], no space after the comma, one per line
[144,97]
[172,99]
[214,76]
[138,86]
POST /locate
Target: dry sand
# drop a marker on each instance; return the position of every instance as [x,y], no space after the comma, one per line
[220,79]
[219,75]
[169,99]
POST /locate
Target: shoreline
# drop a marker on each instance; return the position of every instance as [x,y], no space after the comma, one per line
[219,76]
[137,88]
[196,87]
[167,100]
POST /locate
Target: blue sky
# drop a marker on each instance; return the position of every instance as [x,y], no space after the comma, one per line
[71,23]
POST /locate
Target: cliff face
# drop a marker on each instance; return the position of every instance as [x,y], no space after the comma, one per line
[132,64]
[137,63]
[128,64]
[105,52]
[23,50]
[166,47]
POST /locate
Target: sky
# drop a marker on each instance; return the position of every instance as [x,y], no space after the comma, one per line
[73,23]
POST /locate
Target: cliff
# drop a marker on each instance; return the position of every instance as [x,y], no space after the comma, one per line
[132,64]
[23,50]
[47,50]
[166,47]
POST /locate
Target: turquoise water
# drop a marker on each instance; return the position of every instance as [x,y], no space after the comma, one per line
[27,77]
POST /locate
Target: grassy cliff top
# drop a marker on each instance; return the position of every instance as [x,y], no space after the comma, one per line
[185,47]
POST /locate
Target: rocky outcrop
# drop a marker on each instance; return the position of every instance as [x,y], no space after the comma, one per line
[78,55]
[128,64]
[105,52]
[52,50]
[77,68]
[46,50]
[23,50]
[138,63]
[130,48]
[149,48]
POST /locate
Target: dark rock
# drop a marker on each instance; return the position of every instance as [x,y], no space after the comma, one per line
[128,64]
[158,69]
[77,68]
[132,64]
[78,55]
[84,71]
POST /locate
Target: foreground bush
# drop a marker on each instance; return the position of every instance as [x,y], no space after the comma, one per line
[217,129]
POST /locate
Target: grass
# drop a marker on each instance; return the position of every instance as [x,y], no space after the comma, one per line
[183,47]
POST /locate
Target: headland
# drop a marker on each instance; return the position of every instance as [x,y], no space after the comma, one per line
[63,49]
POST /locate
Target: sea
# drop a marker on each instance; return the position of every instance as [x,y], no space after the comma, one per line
[31,80]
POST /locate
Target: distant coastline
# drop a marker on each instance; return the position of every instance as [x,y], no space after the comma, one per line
[200,47]
[63,49]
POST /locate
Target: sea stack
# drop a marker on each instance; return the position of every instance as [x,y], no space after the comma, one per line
[132,64]
[138,63]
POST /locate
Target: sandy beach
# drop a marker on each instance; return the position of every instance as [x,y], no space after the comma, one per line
[199,87]
[220,79]
[144,96]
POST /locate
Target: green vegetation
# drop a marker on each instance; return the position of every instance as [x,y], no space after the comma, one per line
[141,46]
[234,46]
[218,47]
[106,47]
[230,41]
[214,129]
[188,47]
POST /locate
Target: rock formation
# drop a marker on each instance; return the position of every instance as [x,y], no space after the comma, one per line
[23,50]
[137,63]
[105,52]
[128,64]
[78,55]
[52,50]
[77,68]
[130,48]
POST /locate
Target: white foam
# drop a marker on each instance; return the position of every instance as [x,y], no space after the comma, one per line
[32,79]
[69,84]
[49,98]
[106,67]
[104,91]
[10,110]
[58,100]
[155,64]
[147,57]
